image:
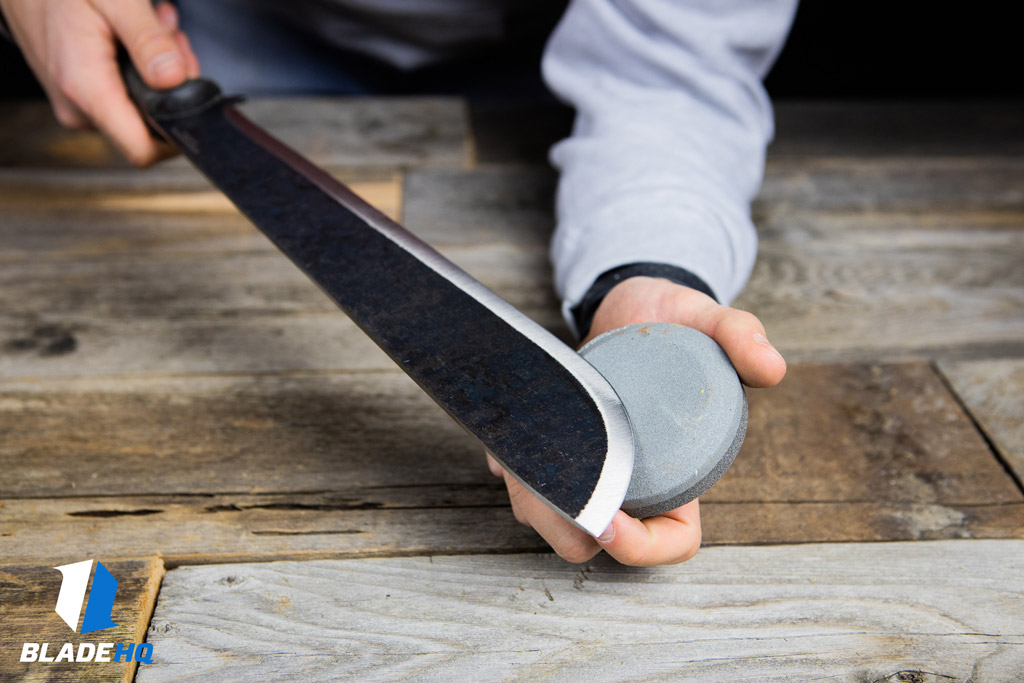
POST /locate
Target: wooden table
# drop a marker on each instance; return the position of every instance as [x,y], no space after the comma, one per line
[176,397]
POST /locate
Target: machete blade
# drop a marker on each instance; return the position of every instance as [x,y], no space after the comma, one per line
[546,414]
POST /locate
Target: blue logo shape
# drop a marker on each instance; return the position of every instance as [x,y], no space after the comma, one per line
[101,601]
[72,596]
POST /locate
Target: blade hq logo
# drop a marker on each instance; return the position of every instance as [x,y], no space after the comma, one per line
[98,609]
[72,595]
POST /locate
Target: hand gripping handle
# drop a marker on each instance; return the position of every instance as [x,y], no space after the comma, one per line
[163,106]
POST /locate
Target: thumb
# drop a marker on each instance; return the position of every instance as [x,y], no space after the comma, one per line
[149,41]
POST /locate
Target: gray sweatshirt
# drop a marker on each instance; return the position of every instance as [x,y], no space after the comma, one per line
[668,147]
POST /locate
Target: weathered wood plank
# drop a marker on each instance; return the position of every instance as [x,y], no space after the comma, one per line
[190,286]
[993,392]
[830,284]
[497,204]
[211,312]
[828,433]
[946,611]
[28,593]
[818,302]
[251,434]
[862,433]
[904,202]
[363,131]
[48,219]
[351,522]
[517,202]
[426,519]
[833,303]
[299,465]
[894,183]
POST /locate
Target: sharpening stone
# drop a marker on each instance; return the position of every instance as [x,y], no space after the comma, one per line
[686,406]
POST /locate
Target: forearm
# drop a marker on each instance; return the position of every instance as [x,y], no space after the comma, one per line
[668,146]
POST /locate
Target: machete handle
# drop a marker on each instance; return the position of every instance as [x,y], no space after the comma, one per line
[191,97]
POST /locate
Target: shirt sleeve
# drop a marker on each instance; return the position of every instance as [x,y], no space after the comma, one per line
[667,150]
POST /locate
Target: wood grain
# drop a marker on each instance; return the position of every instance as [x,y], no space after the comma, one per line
[993,392]
[992,183]
[849,280]
[28,593]
[830,302]
[213,434]
[488,204]
[226,468]
[828,433]
[367,521]
[170,385]
[211,312]
[945,611]
[54,216]
[363,131]
[862,433]
[426,519]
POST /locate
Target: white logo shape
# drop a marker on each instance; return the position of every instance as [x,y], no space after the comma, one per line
[72,591]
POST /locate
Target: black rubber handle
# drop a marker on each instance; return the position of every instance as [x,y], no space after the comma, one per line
[160,106]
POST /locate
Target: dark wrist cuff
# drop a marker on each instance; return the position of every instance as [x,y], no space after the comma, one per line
[583,312]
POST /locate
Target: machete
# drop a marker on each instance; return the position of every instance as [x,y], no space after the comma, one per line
[546,415]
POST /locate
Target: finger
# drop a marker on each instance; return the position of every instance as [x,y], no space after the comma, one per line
[67,113]
[107,104]
[191,61]
[149,42]
[571,544]
[741,335]
[666,539]
[167,13]
[493,466]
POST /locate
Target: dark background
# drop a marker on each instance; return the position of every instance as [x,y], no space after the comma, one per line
[868,49]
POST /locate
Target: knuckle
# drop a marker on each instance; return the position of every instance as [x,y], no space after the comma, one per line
[148,42]
[746,319]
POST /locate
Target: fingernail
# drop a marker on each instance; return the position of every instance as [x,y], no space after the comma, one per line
[608,534]
[763,341]
[164,64]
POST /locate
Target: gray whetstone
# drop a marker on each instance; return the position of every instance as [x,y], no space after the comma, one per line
[685,403]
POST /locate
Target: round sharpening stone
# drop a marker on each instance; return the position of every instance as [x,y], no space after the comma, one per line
[686,406]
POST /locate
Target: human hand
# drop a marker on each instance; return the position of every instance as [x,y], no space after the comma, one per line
[674,536]
[71,46]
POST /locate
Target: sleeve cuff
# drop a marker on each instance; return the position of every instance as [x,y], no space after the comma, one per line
[583,312]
